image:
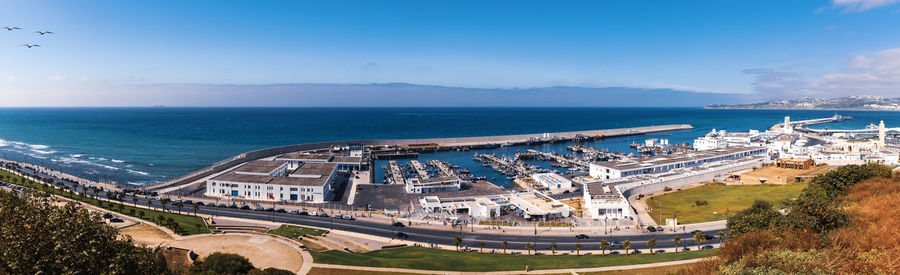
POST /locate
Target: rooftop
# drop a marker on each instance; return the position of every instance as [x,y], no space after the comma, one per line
[305,156]
[314,169]
[259,167]
[672,159]
[243,178]
[305,181]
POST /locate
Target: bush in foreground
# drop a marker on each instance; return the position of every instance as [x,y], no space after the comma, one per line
[231,264]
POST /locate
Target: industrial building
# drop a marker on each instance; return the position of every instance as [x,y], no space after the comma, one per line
[551,181]
[269,181]
[661,164]
[433,185]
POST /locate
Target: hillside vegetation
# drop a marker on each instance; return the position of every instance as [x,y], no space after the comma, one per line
[844,222]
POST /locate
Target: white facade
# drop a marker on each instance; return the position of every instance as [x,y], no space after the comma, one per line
[552,181]
[432,185]
[662,164]
[480,207]
[310,185]
[604,203]
[709,143]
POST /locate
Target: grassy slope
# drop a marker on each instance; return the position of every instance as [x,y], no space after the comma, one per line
[726,200]
[293,231]
[426,258]
[187,222]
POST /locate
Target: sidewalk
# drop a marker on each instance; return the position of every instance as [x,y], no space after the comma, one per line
[545,271]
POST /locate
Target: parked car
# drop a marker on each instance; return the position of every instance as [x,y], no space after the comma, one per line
[685,249]
[222,205]
[188,202]
[323,214]
[399,224]
[116,220]
[651,229]
[245,207]
[706,247]
[295,211]
[348,217]
[270,209]
[259,208]
[281,210]
[304,213]
[233,206]
[314,213]
[402,235]
[582,237]
[200,203]
[659,228]
[107,216]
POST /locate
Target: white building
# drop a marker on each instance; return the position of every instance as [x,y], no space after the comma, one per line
[312,182]
[294,160]
[433,185]
[534,205]
[661,164]
[480,207]
[552,181]
[262,168]
[603,202]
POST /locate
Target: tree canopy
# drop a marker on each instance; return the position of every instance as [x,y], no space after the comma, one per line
[38,237]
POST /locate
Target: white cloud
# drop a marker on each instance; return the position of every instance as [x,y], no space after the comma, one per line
[11,78]
[862,5]
[875,74]
[57,77]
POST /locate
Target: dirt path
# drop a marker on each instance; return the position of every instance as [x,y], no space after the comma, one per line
[263,251]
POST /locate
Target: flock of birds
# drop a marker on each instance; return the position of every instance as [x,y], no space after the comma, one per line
[37,32]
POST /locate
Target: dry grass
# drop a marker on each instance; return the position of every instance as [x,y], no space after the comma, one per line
[775,175]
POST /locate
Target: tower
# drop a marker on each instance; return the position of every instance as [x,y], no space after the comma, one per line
[881,134]
[787,125]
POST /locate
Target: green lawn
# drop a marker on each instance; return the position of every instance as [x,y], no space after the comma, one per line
[293,231]
[438,259]
[722,199]
[187,222]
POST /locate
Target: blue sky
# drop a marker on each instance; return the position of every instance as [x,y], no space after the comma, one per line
[773,48]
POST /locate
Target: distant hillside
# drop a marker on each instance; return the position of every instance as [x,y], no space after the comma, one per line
[873,103]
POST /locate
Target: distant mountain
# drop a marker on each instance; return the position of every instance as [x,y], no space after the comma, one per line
[396,94]
[870,103]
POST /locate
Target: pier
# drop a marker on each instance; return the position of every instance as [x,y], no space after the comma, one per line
[808,122]
[395,173]
[562,160]
[420,169]
[443,169]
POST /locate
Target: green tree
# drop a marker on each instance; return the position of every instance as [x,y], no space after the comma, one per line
[721,236]
[699,237]
[179,205]
[529,246]
[504,244]
[196,207]
[480,247]
[627,245]
[270,271]
[603,246]
[578,249]
[651,243]
[457,241]
[759,216]
[222,263]
[134,200]
[677,240]
[553,248]
[43,238]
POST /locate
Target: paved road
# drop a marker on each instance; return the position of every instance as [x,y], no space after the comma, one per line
[428,235]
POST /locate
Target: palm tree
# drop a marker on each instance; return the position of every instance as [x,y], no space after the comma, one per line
[627,244]
[196,207]
[603,246]
[677,240]
[578,249]
[553,248]
[721,236]
[505,244]
[134,200]
[163,204]
[529,246]
[150,204]
[651,243]
[179,205]
[457,240]
[699,237]
[480,247]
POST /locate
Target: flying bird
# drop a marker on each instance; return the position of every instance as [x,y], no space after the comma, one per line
[31,45]
[12,28]
[44,32]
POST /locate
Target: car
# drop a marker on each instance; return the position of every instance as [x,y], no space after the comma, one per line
[347,217]
[582,237]
[659,228]
[401,235]
[188,202]
[270,209]
[635,251]
[685,249]
[708,237]
[304,213]
[200,203]
[651,229]
[259,208]
[116,220]
[314,213]
[295,211]
[399,224]
[706,247]
[233,206]
[222,205]
[323,214]
[245,207]
[695,232]
[107,216]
